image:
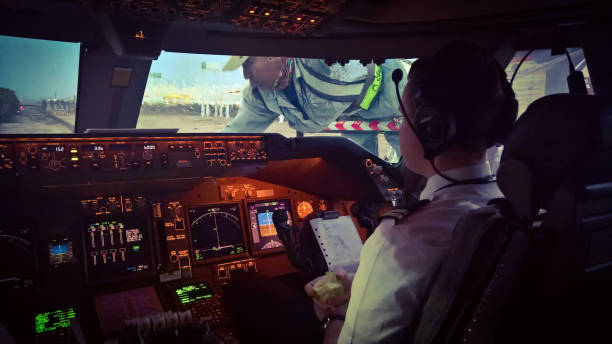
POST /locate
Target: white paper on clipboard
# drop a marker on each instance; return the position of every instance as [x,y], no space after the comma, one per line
[339,241]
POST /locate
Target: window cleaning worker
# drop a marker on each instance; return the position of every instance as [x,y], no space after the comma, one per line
[310,95]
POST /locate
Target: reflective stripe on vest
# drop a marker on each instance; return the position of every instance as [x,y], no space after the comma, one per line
[373,89]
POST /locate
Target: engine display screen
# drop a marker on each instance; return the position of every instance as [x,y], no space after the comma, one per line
[216,231]
[262,228]
[60,252]
[189,293]
[117,249]
[54,320]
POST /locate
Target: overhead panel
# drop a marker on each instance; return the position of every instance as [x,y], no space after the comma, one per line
[287,17]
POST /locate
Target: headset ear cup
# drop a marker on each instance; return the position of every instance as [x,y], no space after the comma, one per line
[434,130]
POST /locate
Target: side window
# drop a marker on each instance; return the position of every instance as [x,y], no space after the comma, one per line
[38,85]
[539,75]
[542,74]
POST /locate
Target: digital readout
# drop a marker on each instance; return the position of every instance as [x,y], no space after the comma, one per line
[53,148]
[120,147]
[92,148]
[149,147]
[193,292]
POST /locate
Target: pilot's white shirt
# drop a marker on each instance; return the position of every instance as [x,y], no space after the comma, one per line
[398,261]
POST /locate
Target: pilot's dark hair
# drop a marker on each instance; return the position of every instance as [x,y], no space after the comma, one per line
[465,81]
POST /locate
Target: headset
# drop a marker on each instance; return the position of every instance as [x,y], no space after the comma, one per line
[436,130]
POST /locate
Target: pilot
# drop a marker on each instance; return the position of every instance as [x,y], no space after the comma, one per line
[398,262]
[310,95]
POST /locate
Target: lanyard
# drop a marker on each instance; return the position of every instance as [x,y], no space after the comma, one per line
[484,180]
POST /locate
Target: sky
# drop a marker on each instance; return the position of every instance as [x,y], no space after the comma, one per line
[37,69]
[182,66]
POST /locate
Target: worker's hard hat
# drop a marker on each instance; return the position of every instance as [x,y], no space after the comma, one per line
[234,62]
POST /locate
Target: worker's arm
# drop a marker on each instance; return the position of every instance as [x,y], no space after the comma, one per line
[253,115]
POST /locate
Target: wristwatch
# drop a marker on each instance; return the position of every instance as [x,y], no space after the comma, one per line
[325,322]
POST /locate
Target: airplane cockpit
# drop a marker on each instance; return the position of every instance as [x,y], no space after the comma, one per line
[151,176]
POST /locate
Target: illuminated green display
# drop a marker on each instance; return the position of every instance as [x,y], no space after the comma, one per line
[51,321]
[193,292]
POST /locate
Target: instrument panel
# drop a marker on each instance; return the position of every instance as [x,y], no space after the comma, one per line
[97,231]
[180,245]
[125,154]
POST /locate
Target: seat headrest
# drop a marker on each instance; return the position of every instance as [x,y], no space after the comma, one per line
[558,138]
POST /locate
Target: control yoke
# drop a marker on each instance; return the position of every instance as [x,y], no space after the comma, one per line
[300,244]
[286,234]
[363,211]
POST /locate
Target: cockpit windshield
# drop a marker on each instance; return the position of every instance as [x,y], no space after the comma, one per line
[241,94]
[38,85]
[290,96]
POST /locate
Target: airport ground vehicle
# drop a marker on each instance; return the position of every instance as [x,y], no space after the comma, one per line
[66,196]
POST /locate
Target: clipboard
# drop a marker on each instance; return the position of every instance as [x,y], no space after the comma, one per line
[339,241]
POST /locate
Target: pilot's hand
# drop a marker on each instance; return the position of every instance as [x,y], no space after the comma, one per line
[334,305]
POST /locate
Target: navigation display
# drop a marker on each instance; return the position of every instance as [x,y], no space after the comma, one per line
[262,228]
[216,231]
[189,293]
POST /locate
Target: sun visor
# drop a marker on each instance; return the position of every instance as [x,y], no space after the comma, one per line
[132,38]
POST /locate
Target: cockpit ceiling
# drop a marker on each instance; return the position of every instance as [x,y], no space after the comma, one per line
[404,12]
[261,27]
[294,17]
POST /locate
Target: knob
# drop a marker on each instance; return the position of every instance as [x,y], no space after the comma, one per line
[147,155]
[140,202]
[55,165]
